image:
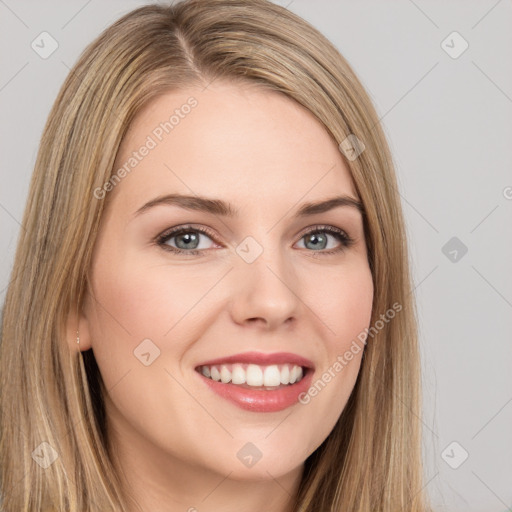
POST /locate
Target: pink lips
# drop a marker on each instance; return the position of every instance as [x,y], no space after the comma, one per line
[262,359]
[258,400]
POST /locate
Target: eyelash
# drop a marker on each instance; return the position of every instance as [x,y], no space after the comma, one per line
[346,241]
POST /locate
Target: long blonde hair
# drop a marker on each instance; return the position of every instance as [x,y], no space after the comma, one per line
[371,461]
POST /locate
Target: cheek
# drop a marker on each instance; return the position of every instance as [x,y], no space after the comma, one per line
[129,307]
[344,307]
[344,304]
[144,301]
[137,300]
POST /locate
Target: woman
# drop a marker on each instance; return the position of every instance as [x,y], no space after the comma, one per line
[210,305]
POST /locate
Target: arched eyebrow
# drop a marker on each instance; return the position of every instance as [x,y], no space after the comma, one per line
[222,208]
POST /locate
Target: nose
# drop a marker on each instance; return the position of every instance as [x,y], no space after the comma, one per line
[266,292]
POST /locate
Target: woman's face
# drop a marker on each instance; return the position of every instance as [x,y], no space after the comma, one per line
[255,284]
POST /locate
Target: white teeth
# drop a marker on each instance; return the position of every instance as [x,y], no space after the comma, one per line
[295,374]
[285,374]
[238,374]
[225,375]
[254,375]
[272,376]
[215,373]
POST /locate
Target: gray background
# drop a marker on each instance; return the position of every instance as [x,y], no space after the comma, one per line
[448,121]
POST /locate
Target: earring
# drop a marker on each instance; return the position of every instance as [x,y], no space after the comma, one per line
[77,337]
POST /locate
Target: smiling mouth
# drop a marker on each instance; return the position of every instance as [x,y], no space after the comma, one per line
[254,376]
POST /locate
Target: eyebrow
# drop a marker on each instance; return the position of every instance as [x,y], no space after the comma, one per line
[221,208]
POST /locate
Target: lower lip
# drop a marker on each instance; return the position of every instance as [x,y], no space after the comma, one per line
[261,400]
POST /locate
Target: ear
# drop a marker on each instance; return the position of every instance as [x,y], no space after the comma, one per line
[81,323]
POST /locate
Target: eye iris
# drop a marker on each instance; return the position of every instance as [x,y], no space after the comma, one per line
[317,239]
[194,237]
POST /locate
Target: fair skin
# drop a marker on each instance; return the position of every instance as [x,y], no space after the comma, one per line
[175,440]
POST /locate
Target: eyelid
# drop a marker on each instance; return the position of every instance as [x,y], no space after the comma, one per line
[322,227]
[184,228]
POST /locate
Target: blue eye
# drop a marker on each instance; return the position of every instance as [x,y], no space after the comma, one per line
[187,240]
[317,238]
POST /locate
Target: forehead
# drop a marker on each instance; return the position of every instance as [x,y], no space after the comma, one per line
[228,141]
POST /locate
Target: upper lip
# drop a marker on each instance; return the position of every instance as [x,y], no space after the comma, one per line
[261,358]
